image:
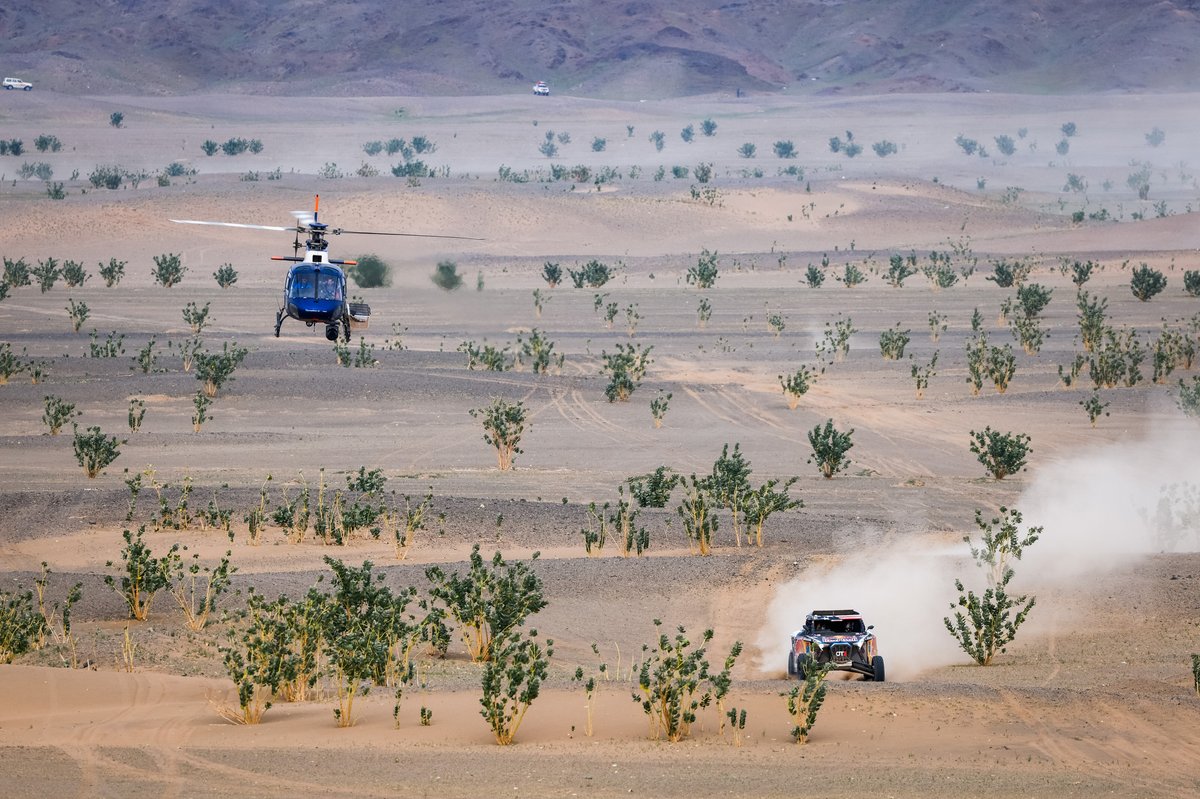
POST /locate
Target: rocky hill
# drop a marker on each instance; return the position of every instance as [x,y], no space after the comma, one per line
[603,48]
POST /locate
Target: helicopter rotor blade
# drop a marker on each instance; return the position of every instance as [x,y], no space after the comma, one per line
[231,224]
[304,218]
[339,231]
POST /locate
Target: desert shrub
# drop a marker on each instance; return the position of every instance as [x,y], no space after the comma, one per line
[759,504]
[201,403]
[370,272]
[1191,282]
[135,416]
[784,149]
[921,375]
[112,272]
[675,681]
[658,408]
[658,138]
[598,144]
[78,312]
[814,277]
[1188,398]
[835,341]
[73,273]
[1093,407]
[747,150]
[23,628]
[1005,144]
[892,342]
[143,575]
[829,447]
[10,364]
[1029,333]
[1081,272]
[1033,298]
[1156,137]
[703,275]
[1063,147]
[107,177]
[55,191]
[679,172]
[1146,282]
[503,426]
[1092,315]
[729,483]
[446,276]
[938,325]
[168,269]
[47,273]
[196,588]
[900,269]
[594,275]
[805,701]
[196,317]
[215,369]
[511,681]
[796,385]
[688,133]
[47,143]
[1006,273]
[699,523]
[884,148]
[653,490]
[487,357]
[852,276]
[625,369]
[538,352]
[1001,366]
[57,413]
[95,451]
[112,347]
[552,273]
[968,146]
[987,623]
[225,275]
[489,601]
[708,127]
[1001,454]
[16,272]
[703,172]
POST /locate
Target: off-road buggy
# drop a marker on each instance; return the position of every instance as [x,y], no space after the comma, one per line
[837,637]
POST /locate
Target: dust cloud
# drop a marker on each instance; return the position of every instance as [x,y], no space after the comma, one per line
[1100,508]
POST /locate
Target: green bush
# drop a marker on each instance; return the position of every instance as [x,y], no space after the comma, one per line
[446,276]
[23,628]
[708,127]
[552,273]
[805,701]
[814,277]
[884,148]
[785,149]
[747,150]
[688,133]
[16,272]
[1146,282]
[1189,397]
[78,312]
[512,679]
[112,272]
[94,450]
[625,368]
[893,341]
[168,269]
[489,601]
[143,574]
[107,177]
[900,269]
[225,275]
[653,490]
[658,138]
[58,412]
[594,274]
[675,681]
[503,426]
[215,369]
[1001,454]
[829,447]
[703,275]
[1006,273]
[1033,298]
[370,272]
[986,623]
[47,273]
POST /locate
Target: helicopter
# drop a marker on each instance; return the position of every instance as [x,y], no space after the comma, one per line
[314,291]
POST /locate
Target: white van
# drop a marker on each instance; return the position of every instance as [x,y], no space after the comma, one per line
[17,83]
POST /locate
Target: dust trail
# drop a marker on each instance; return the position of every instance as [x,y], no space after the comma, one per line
[1100,509]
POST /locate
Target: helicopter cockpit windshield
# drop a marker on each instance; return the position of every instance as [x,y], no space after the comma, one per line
[318,284]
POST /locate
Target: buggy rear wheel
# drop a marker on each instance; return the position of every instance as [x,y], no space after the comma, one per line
[877,668]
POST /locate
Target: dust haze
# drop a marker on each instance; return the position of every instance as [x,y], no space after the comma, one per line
[1100,509]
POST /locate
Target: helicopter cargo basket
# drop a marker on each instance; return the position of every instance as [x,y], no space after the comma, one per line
[360,315]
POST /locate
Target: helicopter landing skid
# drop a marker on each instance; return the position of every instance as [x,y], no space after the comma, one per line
[278,322]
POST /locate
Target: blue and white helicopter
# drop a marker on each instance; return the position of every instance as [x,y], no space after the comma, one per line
[315,289]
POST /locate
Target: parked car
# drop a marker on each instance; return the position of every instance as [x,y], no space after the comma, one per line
[541,89]
[839,638]
[17,83]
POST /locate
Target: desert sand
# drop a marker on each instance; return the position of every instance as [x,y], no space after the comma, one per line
[1095,696]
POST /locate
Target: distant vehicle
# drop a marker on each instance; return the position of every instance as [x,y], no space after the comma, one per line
[541,89]
[17,83]
[839,638]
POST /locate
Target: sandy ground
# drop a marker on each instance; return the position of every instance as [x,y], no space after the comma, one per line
[1094,697]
